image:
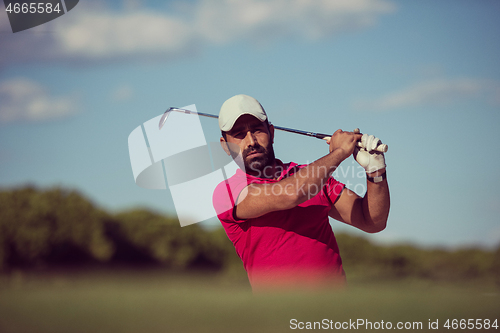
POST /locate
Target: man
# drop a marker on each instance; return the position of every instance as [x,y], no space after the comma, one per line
[276,214]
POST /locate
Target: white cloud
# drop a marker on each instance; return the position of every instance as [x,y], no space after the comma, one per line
[111,35]
[91,33]
[227,20]
[25,100]
[436,92]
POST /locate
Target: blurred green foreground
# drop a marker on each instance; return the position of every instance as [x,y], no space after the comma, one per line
[68,266]
[155,301]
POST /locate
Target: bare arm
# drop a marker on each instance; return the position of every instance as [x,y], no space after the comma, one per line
[259,199]
[369,213]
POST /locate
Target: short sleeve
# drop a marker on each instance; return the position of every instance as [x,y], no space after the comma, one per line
[333,189]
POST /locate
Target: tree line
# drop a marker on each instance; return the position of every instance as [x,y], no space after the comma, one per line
[60,227]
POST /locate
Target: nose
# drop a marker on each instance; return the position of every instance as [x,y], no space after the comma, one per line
[250,139]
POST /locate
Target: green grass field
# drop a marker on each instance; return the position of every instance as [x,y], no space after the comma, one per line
[155,301]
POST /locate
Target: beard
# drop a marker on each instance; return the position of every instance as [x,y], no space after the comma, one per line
[256,165]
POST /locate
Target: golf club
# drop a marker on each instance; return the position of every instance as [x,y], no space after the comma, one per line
[380,148]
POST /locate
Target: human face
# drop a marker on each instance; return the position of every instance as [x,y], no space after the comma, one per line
[254,140]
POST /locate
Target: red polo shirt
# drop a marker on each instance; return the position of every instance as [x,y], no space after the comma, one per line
[288,248]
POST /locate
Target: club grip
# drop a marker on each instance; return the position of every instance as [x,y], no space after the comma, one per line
[381,148]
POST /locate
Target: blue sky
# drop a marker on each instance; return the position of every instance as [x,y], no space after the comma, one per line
[423,76]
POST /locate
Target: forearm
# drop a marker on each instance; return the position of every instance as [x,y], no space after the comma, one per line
[308,181]
[376,203]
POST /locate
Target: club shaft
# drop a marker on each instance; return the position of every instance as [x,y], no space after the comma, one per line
[193,112]
[291,130]
[382,148]
[296,131]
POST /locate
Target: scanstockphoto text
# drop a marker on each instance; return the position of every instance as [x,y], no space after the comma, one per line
[357,324]
[453,324]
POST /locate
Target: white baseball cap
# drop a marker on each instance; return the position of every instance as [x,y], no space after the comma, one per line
[237,106]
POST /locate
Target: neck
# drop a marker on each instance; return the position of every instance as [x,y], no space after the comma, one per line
[271,171]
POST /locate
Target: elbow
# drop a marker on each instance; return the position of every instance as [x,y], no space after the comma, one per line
[377,226]
[377,221]
[376,229]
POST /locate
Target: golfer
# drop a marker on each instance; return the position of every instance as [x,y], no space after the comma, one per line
[276,214]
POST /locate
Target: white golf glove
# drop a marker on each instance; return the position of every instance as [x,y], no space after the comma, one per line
[369,158]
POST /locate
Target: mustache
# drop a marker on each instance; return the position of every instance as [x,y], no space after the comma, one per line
[254,149]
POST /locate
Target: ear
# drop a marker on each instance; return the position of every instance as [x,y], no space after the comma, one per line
[271,132]
[224,146]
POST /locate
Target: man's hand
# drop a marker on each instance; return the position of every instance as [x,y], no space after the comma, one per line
[370,159]
[346,141]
